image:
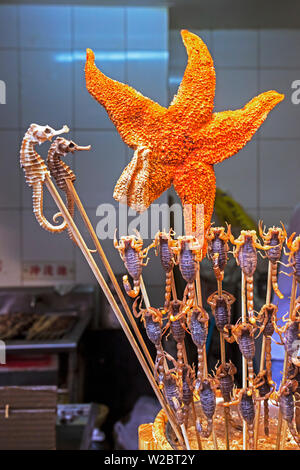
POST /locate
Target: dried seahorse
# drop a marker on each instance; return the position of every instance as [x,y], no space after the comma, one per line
[60,171]
[36,170]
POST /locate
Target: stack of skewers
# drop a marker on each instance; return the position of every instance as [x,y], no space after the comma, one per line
[187,393]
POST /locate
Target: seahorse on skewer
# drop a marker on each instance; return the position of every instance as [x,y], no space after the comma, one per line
[36,170]
[61,172]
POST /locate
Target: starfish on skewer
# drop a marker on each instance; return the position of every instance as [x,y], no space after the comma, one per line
[180,144]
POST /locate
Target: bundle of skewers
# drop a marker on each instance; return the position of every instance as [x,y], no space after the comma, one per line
[187,393]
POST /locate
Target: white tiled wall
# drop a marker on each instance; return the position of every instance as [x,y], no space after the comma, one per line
[263,176]
[42,56]
[42,52]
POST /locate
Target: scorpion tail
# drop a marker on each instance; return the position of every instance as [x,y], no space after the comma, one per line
[251,436]
[37,197]
[219,275]
[294,432]
[274,281]
[136,287]
[191,291]
[200,363]
[250,296]
[204,432]
[268,358]
[250,373]
[168,290]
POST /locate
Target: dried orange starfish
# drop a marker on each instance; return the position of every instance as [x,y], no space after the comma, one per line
[180,144]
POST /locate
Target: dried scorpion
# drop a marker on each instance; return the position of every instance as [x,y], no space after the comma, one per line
[131,251]
[294,374]
[61,172]
[290,333]
[246,257]
[163,243]
[293,256]
[267,318]
[198,326]
[224,377]
[36,170]
[286,400]
[206,389]
[246,408]
[177,324]
[188,379]
[152,319]
[243,334]
[170,383]
[221,308]
[218,249]
[188,252]
[274,238]
[265,389]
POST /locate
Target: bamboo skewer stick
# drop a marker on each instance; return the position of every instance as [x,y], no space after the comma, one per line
[223,361]
[89,258]
[282,426]
[262,356]
[245,372]
[200,303]
[109,270]
[147,304]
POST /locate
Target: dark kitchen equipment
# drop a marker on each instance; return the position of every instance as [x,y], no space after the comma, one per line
[55,324]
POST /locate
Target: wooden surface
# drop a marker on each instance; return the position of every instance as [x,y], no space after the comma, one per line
[27,418]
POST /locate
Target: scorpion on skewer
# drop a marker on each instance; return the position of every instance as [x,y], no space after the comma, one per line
[177,324]
[245,253]
[246,408]
[198,326]
[290,333]
[221,308]
[285,398]
[163,243]
[61,172]
[265,389]
[188,379]
[224,377]
[293,373]
[206,389]
[132,253]
[170,384]
[153,323]
[188,252]
[293,256]
[267,318]
[243,334]
[218,249]
[36,170]
[274,238]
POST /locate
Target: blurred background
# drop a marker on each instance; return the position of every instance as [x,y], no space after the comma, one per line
[255,46]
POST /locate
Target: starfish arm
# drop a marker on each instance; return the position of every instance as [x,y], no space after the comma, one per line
[143,180]
[229,131]
[195,184]
[195,98]
[134,115]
